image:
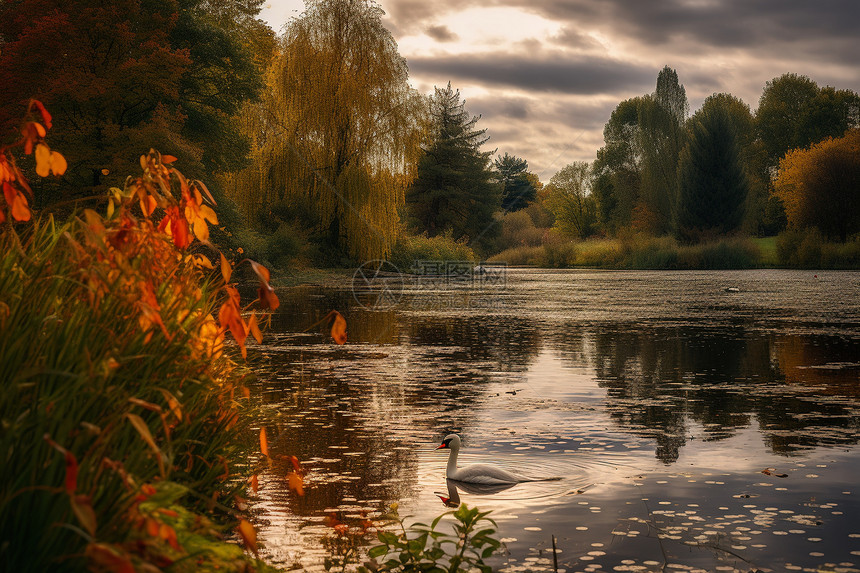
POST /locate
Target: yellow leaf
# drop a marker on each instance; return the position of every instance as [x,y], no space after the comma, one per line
[203,261]
[110,209]
[58,163]
[255,329]
[43,160]
[226,269]
[201,230]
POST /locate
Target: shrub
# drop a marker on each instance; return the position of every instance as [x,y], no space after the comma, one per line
[518,230]
[411,248]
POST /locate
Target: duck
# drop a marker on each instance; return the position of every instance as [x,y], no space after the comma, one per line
[475,474]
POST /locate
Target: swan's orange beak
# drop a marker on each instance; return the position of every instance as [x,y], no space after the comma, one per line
[441,446]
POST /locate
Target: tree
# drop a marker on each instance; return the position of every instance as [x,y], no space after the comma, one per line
[712,180]
[230,50]
[570,200]
[337,135]
[661,138]
[105,69]
[780,114]
[820,186]
[454,188]
[517,188]
[617,170]
[122,77]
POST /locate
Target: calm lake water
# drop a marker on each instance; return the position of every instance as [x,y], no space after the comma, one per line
[659,398]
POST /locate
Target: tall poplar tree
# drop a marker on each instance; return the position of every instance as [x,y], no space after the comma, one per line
[455,190]
[661,138]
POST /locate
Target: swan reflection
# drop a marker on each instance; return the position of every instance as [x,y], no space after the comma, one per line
[454,487]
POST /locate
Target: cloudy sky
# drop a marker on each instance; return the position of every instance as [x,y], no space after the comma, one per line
[546,74]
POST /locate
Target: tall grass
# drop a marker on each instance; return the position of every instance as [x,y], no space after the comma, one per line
[146,411]
[808,249]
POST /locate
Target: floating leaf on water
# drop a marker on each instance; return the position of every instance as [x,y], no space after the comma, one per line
[264,442]
[248,535]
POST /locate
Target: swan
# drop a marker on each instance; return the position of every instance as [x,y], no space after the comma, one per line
[478,473]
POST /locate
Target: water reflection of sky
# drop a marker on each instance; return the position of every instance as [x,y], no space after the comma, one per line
[658,399]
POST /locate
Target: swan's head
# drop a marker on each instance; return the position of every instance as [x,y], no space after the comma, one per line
[451,441]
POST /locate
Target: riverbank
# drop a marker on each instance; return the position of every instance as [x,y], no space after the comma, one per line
[789,250]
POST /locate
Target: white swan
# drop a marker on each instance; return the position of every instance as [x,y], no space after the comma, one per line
[478,473]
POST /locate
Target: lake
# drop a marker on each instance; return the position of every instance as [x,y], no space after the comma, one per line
[699,421]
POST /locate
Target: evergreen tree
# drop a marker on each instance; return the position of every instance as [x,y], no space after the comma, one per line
[454,189]
[517,189]
[712,185]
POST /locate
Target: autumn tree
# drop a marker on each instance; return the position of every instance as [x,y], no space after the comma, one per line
[794,112]
[568,196]
[125,76]
[713,183]
[820,186]
[517,188]
[336,137]
[455,189]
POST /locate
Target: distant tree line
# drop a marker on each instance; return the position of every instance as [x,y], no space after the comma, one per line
[321,150]
[714,173]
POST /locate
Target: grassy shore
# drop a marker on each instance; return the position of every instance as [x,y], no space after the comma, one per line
[790,250]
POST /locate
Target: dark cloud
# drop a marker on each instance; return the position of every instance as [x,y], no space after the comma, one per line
[554,72]
[441,34]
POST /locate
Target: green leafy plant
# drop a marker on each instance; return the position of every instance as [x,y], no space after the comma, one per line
[420,547]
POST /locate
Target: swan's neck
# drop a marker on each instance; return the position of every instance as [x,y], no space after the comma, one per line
[452,462]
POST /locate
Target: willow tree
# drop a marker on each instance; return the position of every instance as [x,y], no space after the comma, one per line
[338,134]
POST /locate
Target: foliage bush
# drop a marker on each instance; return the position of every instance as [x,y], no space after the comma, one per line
[121,411]
[518,230]
[411,248]
[808,249]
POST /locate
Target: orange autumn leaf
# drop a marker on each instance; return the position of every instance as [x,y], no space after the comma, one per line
[338,328]
[226,269]
[166,159]
[254,328]
[168,534]
[248,535]
[48,161]
[255,483]
[296,465]
[267,297]
[296,483]
[17,203]
[264,443]
[261,271]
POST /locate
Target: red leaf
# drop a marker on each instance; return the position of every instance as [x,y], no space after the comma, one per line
[267,297]
[71,482]
[46,117]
